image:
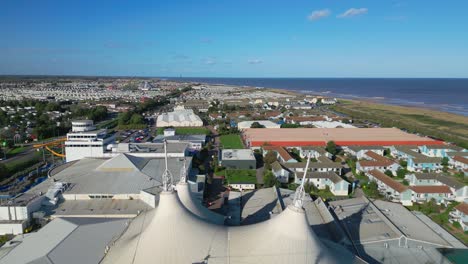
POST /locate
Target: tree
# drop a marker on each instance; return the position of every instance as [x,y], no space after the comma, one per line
[401,173]
[388,173]
[371,190]
[256,125]
[331,147]
[269,179]
[403,163]
[136,119]
[445,161]
[270,157]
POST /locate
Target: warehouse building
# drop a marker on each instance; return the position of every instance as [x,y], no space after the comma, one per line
[180,117]
[297,137]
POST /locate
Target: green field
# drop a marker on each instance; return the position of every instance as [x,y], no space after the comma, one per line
[241,176]
[232,141]
[187,131]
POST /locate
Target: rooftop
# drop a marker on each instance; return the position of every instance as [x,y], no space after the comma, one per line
[237,154]
[122,174]
[341,136]
[431,189]
[388,181]
[324,175]
[58,241]
[463,207]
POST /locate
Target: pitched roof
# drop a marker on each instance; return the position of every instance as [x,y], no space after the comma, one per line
[123,162]
[324,175]
[458,153]
[450,181]
[463,207]
[431,189]
[57,242]
[426,176]
[397,186]
[379,161]
[281,151]
[461,159]
[276,166]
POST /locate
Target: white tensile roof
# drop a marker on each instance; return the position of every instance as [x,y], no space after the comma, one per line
[187,199]
[172,234]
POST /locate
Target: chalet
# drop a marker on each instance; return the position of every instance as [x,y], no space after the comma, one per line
[391,189]
[375,161]
[321,180]
[460,215]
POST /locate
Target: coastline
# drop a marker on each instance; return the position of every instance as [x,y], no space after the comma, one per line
[441,94]
[378,101]
[429,121]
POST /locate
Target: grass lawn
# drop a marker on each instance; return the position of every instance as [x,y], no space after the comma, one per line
[186,131]
[232,141]
[15,151]
[241,176]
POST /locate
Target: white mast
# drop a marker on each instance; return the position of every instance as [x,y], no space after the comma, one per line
[183,173]
[300,193]
[167,175]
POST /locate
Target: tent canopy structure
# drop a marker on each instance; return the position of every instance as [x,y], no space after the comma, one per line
[173,234]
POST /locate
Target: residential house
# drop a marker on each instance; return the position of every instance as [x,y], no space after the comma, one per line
[283,154]
[416,161]
[281,173]
[360,151]
[315,152]
[323,164]
[440,193]
[440,151]
[460,215]
[391,189]
[375,161]
[321,180]
[459,191]
[459,162]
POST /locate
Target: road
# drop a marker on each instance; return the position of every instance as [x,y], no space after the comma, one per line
[27,154]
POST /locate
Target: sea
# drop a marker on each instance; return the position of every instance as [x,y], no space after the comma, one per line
[448,95]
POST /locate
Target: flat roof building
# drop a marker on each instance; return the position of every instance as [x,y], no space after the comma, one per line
[295,137]
[238,159]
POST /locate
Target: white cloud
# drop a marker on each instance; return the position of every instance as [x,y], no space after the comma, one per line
[255,61]
[319,14]
[352,12]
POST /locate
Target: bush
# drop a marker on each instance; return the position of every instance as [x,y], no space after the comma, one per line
[331,147]
[269,179]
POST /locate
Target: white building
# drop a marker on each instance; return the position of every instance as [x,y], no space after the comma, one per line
[180,117]
[460,215]
[322,180]
[15,213]
[266,123]
[86,141]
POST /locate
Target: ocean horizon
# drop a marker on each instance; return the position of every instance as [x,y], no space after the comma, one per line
[444,94]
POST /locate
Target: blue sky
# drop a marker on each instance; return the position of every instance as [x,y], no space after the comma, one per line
[275,38]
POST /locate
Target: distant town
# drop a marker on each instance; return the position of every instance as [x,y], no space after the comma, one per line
[108,160]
